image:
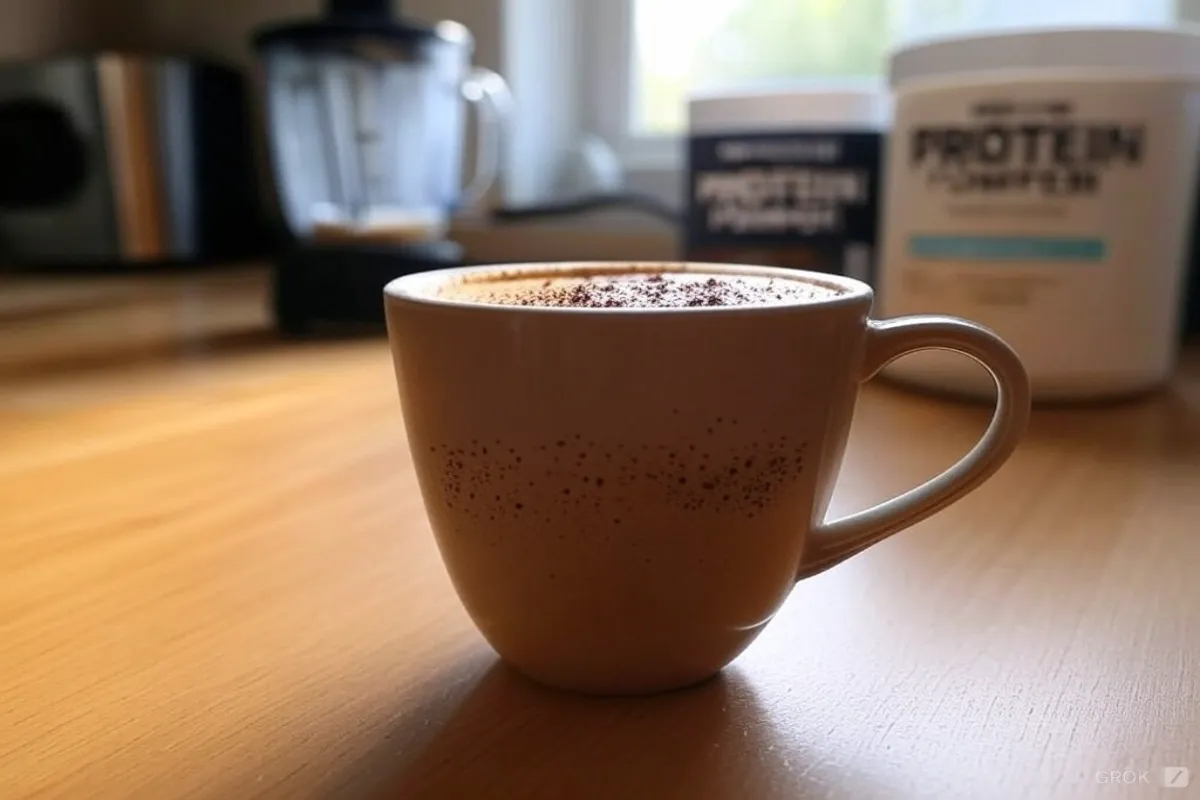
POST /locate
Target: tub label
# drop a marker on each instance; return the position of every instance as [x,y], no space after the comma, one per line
[804,199]
[1025,149]
[1008,248]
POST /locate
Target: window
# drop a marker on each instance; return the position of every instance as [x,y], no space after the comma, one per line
[637,60]
[723,43]
[673,47]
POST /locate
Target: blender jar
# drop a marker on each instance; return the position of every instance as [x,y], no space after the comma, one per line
[366,121]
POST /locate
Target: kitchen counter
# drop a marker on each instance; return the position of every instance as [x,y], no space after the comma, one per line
[216,581]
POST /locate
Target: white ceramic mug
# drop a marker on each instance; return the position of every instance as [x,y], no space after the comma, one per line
[624,497]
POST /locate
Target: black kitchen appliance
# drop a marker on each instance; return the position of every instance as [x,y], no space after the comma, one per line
[121,159]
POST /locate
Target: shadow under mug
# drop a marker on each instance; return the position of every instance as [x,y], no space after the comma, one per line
[624,498]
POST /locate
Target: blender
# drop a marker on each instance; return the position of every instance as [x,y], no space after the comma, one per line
[366,118]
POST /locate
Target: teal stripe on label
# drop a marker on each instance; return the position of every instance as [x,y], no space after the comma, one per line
[1007,248]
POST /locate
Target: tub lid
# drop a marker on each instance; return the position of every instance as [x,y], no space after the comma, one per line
[1174,51]
[849,104]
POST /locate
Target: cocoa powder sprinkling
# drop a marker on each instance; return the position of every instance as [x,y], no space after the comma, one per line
[659,291]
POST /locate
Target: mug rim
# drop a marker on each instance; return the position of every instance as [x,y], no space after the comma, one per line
[408,288]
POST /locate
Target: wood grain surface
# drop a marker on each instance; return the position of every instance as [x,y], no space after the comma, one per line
[216,581]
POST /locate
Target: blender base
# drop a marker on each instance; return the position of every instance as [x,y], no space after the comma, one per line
[317,285]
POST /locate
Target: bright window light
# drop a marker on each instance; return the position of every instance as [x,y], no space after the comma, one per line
[681,45]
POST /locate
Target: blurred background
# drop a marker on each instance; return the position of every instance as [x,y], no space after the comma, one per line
[600,85]
[335,144]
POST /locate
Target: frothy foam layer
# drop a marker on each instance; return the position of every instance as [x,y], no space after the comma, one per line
[640,290]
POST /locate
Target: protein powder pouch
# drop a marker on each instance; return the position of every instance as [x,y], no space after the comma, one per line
[788,179]
[1053,203]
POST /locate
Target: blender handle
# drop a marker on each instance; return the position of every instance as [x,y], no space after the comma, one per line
[489,93]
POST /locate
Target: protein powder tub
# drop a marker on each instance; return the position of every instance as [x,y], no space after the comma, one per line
[1042,183]
[787,178]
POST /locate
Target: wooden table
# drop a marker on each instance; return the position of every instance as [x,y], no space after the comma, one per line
[216,581]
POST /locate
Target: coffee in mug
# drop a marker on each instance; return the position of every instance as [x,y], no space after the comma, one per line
[628,466]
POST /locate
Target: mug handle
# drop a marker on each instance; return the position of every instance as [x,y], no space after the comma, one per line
[489,94]
[831,543]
